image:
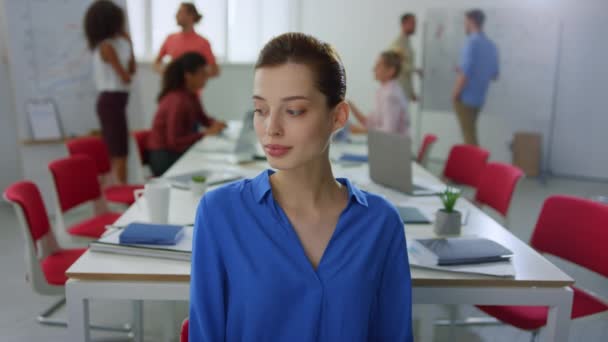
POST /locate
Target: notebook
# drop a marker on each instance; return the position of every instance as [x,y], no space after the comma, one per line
[352,157]
[460,251]
[412,215]
[110,244]
[151,234]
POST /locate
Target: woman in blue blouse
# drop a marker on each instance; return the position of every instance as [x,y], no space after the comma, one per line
[296,254]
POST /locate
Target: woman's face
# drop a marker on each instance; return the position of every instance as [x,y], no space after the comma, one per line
[183,17]
[292,119]
[382,72]
[196,80]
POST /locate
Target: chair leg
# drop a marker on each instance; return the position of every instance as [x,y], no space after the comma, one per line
[534,337]
[44,318]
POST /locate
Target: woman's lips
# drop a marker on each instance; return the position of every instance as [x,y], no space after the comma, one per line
[275,150]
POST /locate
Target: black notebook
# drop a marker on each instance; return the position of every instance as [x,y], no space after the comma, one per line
[465,250]
[412,215]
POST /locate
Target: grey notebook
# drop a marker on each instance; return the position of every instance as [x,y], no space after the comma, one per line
[412,215]
[465,250]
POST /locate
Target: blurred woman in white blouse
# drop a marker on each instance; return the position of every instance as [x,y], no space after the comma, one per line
[390,113]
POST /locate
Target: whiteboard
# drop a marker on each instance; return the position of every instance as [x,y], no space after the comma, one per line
[527,45]
[49,58]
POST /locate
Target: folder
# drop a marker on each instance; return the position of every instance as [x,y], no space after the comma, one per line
[352,157]
[151,234]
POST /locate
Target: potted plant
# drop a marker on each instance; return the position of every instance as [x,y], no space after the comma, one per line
[198,185]
[448,220]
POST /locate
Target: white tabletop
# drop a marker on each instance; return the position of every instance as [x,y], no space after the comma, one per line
[531,268]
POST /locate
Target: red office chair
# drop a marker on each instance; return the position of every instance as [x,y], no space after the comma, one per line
[425,149]
[184,333]
[96,149]
[76,183]
[465,164]
[496,186]
[573,229]
[46,261]
[141,140]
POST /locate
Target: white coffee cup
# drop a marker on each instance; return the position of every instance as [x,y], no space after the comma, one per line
[157,201]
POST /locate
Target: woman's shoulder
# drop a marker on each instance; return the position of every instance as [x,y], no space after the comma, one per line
[377,205]
[380,205]
[173,97]
[384,211]
[225,196]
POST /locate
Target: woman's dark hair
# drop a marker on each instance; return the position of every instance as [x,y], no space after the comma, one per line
[103,20]
[191,8]
[173,77]
[392,59]
[406,17]
[320,57]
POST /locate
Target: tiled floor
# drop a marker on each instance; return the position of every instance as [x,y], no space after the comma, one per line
[19,305]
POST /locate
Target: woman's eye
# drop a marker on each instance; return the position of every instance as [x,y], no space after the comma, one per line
[258,111]
[293,112]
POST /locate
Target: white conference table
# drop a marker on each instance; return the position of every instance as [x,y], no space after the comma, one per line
[98,275]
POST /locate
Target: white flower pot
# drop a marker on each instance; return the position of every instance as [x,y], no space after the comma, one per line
[447,223]
[198,188]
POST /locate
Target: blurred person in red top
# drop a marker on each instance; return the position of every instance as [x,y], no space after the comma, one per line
[187,40]
[180,112]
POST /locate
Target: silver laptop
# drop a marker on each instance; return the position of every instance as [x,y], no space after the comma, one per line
[246,146]
[390,162]
[246,143]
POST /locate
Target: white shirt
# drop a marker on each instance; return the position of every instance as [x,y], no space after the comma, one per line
[106,78]
[390,114]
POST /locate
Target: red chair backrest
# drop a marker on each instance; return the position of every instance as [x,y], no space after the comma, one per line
[427,142]
[574,229]
[141,139]
[496,186]
[465,164]
[94,148]
[27,196]
[184,333]
[76,181]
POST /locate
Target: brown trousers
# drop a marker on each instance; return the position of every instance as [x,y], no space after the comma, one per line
[467,117]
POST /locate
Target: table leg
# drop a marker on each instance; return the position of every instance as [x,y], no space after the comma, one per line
[78,314]
[558,322]
[138,320]
[427,316]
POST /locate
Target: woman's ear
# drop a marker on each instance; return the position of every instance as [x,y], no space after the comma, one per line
[340,115]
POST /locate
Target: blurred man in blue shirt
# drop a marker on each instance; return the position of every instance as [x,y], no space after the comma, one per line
[478,66]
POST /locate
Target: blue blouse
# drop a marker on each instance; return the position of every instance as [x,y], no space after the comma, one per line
[251,280]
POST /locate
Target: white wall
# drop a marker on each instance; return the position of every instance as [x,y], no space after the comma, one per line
[581,116]
[10,168]
[361,29]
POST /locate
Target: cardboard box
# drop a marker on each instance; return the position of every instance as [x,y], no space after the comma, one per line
[527,152]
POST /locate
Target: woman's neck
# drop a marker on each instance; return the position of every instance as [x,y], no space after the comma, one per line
[188,29]
[311,186]
[385,82]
